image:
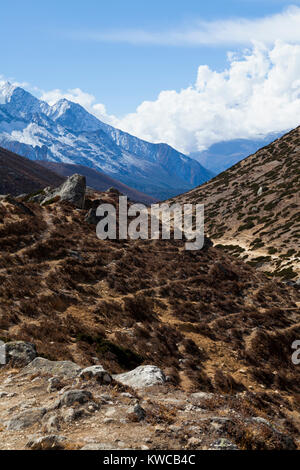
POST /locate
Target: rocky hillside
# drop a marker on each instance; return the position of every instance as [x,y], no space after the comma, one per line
[19,175]
[211,323]
[253,209]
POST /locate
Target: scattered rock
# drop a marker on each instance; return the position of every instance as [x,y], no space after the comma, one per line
[52,424]
[260,191]
[72,397]
[96,372]
[127,395]
[25,419]
[223,444]
[66,369]
[51,442]
[71,414]
[201,395]
[20,353]
[108,421]
[143,376]
[54,384]
[139,412]
[194,442]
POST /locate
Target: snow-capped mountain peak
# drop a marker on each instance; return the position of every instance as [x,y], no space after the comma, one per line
[6,91]
[68,133]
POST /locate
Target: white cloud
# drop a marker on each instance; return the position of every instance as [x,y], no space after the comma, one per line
[284,25]
[258,93]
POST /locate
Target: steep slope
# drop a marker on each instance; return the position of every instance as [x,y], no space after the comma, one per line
[221,156]
[253,209]
[19,175]
[97,180]
[211,322]
[67,133]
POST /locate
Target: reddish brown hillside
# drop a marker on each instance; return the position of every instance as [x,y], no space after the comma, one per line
[18,175]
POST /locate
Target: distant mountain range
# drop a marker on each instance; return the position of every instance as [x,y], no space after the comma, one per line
[221,156]
[67,133]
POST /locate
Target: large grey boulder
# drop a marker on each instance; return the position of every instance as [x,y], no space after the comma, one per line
[19,353]
[72,190]
[25,419]
[96,372]
[142,376]
[65,369]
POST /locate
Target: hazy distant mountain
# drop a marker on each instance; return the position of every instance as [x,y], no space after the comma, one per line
[223,155]
[67,133]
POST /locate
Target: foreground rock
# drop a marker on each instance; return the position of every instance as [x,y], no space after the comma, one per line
[143,376]
[65,369]
[20,353]
[96,372]
[25,419]
[51,442]
[223,444]
[73,397]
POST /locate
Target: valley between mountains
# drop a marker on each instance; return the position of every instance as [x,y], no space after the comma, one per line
[142,344]
[216,332]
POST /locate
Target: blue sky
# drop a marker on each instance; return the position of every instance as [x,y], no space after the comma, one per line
[40,45]
[141,61]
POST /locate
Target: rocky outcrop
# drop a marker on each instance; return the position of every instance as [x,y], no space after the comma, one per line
[25,419]
[96,372]
[143,376]
[72,190]
[72,397]
[66,369]
[51,442]
[20,353]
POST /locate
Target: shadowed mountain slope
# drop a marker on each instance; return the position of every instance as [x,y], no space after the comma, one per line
[97,180]
[18,175]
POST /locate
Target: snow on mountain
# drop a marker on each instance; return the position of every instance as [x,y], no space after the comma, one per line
[66,132]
